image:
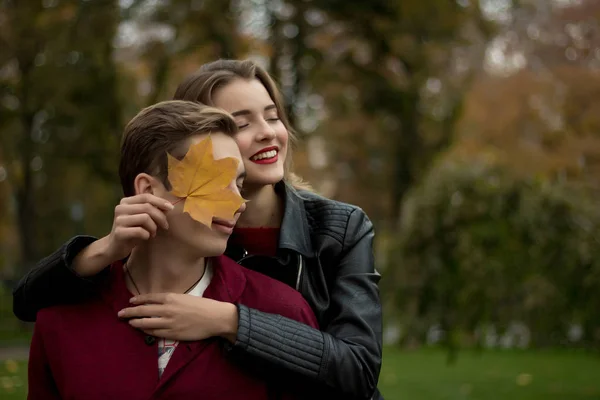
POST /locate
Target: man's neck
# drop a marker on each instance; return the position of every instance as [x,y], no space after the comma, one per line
[264,208]
[161,265]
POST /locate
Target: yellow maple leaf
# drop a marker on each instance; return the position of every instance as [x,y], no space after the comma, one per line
[203,183]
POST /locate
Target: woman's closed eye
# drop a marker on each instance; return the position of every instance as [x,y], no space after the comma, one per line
[271,115]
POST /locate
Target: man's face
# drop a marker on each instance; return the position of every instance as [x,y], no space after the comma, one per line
[189,233]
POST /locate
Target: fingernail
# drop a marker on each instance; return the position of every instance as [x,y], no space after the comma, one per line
[120,313]
[132,300]
[170,206]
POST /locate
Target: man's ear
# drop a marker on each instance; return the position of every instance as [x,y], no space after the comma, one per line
[144,183]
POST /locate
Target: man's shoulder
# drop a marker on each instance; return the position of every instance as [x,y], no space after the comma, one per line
[65,314]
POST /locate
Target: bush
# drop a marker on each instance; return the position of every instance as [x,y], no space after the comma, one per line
[480,247]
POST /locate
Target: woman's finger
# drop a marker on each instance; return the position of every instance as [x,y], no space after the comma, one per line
[150,298]
[157,215]
[148,198]
[143,311]
[139,220]
[165,333]
[131,233]
[150,324]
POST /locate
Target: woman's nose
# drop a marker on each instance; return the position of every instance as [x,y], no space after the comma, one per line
[265,132]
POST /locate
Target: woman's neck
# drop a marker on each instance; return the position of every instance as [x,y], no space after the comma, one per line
[264,208]
[163,265]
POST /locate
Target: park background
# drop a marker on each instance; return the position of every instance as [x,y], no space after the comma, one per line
[468,130]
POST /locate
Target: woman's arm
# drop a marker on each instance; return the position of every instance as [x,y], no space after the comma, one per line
[344,358]
[52,281]
[71,272]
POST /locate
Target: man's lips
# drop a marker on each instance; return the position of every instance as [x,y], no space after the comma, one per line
[219,221]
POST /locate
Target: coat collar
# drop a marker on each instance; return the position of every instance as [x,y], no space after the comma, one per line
[295,233]
[228,283]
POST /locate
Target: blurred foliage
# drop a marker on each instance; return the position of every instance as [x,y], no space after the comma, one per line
[500,97]
[73,72]
[481,247]
[60,114]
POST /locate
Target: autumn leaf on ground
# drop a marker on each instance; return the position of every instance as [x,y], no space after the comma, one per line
[203,183]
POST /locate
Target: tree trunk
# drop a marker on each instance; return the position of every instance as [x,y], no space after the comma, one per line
[24,187]
[407,144]
[298,50]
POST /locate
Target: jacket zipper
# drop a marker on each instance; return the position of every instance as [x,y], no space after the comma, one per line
[298,279]
[246,256]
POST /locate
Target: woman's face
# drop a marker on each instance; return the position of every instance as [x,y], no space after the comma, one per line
[262,137]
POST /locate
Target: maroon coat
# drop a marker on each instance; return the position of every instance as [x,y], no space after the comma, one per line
[84,351]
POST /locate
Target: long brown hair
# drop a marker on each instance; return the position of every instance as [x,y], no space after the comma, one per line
[201,85]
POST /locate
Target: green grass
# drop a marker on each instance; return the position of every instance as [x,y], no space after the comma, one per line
[13,380]
[515,375]
[424,375]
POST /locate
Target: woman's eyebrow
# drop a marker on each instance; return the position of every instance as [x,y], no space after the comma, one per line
[248,112]
[241,112]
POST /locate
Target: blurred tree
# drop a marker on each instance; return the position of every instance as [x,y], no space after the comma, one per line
[482,247]
[504,227]
[59,109]
[160,42]
[383,80]
[537,107]
[537,126]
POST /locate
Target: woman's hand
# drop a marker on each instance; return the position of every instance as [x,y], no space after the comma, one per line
[182,316]
[137,219]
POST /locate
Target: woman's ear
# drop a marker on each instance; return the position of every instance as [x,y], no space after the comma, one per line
[144,183]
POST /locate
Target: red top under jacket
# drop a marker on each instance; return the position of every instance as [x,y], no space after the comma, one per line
[257,241]
[85,352]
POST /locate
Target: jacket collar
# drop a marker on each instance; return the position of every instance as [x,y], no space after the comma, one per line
[295,233]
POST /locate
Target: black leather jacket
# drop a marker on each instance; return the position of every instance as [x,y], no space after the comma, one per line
[325,252]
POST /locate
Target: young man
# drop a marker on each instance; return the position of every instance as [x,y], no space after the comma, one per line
[85,351]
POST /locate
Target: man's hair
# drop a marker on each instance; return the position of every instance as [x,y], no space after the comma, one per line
[160,129]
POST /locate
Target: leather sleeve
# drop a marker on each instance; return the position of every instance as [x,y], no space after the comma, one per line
[343,360]
[52,281]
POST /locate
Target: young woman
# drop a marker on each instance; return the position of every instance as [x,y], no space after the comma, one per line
[321,247]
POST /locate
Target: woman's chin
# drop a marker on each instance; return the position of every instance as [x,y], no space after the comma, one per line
[261,181]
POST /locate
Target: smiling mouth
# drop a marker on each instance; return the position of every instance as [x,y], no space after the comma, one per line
[265,155]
